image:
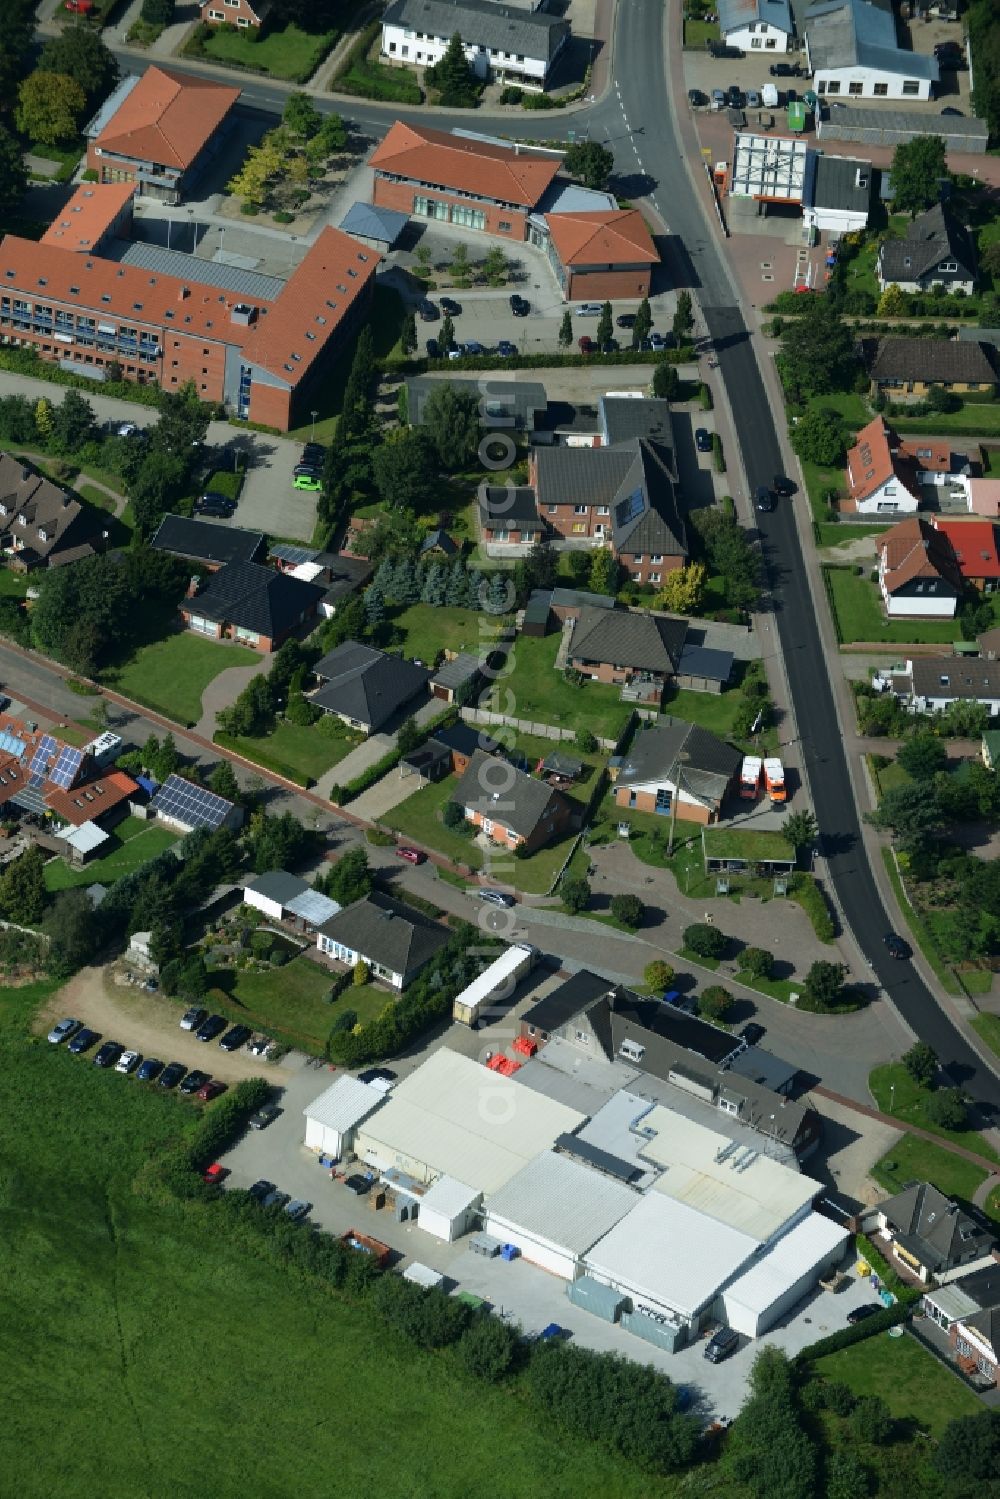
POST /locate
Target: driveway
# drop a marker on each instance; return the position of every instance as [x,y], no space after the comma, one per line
[385,794]
[268,500]
[359,760]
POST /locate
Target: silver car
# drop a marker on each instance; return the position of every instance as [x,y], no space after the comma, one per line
[297,1210]
[63,1031]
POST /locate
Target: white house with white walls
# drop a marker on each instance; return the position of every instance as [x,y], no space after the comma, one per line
[504,42]
[852,53]
[756,25]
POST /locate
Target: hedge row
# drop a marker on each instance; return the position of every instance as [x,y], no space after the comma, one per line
[810,897]
[868,1328]
[24,362]
[560,361]
[259,757]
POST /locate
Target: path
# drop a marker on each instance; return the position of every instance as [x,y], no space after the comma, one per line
[322,79]
[910,1129]
[981,1195]
[222,692]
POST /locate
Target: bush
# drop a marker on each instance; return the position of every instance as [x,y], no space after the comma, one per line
[360,974]
[948,1108]
[628,910]
[487,1348]
[586,742]
[757,961]
[282,216]
[658,974]
[575,894]
[452,815]
[705,941]
[714,1003]
[838,1397]
[804,889]
[870,1327]
[250,209]
[871,1420]
[718,456]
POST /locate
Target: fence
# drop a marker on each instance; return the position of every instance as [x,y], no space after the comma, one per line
[484,717]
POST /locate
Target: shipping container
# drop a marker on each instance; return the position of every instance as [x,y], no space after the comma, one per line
[495,983]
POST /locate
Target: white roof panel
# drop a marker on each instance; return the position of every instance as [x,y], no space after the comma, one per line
[86,837]
[671,1254]
[484,983]
[807,1245]
[769,166]
[559,1200]
[449,1197]
[344,1104]
[313,907]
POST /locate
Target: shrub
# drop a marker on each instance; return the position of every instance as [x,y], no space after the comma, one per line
[658,974]
[871,1420]
[628,910]
[586,742]
[345,1021]
[705,941]
[921,1063]
[487,1348]
[575,894]
[250,209]
[838,1397]
[948,1108]
[452,815]
[361,973]
[715,1002]
[282,216]
[757,961]
[870,1327]
[804,889]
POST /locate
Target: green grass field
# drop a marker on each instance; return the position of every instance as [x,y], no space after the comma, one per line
[123,856]
[858,614]
[427,630]
[171,675]
[534,690]
[988,1027]
[715,711]
[975,419]
[12,585]
[288,1002]
[306,748]
[287,53]
[908,1378]
[913,1159]
[897,1094]
[136,1333]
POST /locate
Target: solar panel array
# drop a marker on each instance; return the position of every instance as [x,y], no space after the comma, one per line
[11,744]
[36,779]
[63,773]
[629,508]
[183,802]
[43,754]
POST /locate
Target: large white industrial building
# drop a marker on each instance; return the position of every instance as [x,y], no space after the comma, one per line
[555,1210]
[333,1118]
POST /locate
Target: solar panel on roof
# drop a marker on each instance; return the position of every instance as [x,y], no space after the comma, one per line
[46,747]
[63,773]
[12,744]
[189,804]
[35,779]
[629,508]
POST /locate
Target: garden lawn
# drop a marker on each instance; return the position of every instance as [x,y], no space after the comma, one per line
[715,711]
[836,534]
[913,1159]
[975,419]
[907,1377]
[287,53]
[535,748]
[858,615]
[171,675]
[698,34]
[534,690]
[12,585]
[90,1267]
[122,858]
[988,1027]
[327,396]
[908,1106]
[366,1000]
[427,630]
[305,749]
[289,1002]
[818,481]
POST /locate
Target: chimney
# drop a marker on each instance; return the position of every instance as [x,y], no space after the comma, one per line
[193,586]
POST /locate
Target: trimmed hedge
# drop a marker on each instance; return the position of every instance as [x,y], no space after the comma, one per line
[846,1336]
[265,761]
[389,761]
[560,361]
[810,897]
[23,362]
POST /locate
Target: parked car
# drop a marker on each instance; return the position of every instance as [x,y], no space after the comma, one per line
[194,1081]
[896,946]
[721,49]
[313,451]
[307,481]
[238,1036]
[297,1209]
[377,1075]
[783,486]
[265,1116]
[625,320]
[193,1018]
[313,469]
[210,1028]
[496,897]
[752,1033]
[214,510]
[433,349]
[79,7]
[215,497]
[586,345]
[519,305]
[718,99]
[610,346]
[506,349]
[703,440]
[358,1184]
[861,1313]
[210,1090]
[411,855]
[953,112]
[63,1031]
[150,1070]
[696,98]
[172,1074]
[108,1054]
[215,1174]
[429,313]
[589,309]
[457,351]
[275,1199]
[475,347]
[660,340]
[763,499]
[127,429]
[721,1345]
[554,1334]
[83,1040]
[260,1190]
[783,70]
[451,307]
[753,99]
[735,97]
[128,1062]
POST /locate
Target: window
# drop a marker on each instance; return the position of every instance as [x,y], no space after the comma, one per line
[910,88]
[962,1345]
[242,21]
[948,267]
[654,577]
[855,90]
[470,218]
[579,528]
[656,557]
[755,41]
[833,87]
[603,510]
[580,509]
[880,90]
[504,226]
[633,799]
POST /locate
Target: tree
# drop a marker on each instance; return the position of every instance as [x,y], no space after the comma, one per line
[410,735]
[948,1108]
[918,168]
[683,317]
[408,335]
[643,323]
[817,351]
[374,606]
[49,107]
[824,985]
[22,888]
[704,940]
[605,326]
[73,932]
[871,1420]
[79,53]
[453,77]
[13,173]
[666,381]
[361,974]
[714,1003]
[302,116]
[846,1476]
[922,756]
[487,1348]
[912,813]
[192,980]
[73,422]
[453,423]
[801,830]
[460,264]
[604,572]
[683,590]
[405,471]
[966,719]
[658,974]
[575,892]
[893,302]
[224,783]
[495,266]
[350,878]
[43,418]
[757,961]
[968,1454]
[591,163]
[453,816]
[628,910]
[566,330]
[818,437]
[731,557]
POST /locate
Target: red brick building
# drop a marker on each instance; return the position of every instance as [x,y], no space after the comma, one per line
[258,355]
[158,130]
[242,14]
[601,256]
[513,809]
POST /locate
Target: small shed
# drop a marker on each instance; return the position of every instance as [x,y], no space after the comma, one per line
[83,842]
[449,1209]
[602,1301]
[536,614]
[332,1119]
[431,761]
[375,226]
[702,669]
[310,909]
[737,849]
[455,674]
[423,1275]
[270,893]
[566,767]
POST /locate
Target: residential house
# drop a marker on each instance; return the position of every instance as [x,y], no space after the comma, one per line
[286,897]
[968,1310]
[989,644]
[42,775]
[251,604]
[930,684]
[245,15]
[935,251]
[204,541]
[513,809]
[432,174]
[675,768]
[638,652]
[508,517]
[513,404]
[852,52]
[510,45]
[756,25]
[340,575]
[904,369]
[364,687]
[917,572]
[438,543]
[462,741]
[41,525]
[394,940]
[975,546]
[159,129]
[599,254]
[990,749]
[928,1234]
[621,418]
[839,199]
[885,472]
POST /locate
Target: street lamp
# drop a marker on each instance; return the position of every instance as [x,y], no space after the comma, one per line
[892,1097]
[312,429]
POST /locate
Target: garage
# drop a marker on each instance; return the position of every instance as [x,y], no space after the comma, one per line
[333,1118]
[449,1209]
[787,1273]
[555,1209]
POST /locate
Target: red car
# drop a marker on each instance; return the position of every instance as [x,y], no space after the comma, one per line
[411,855]
[215,1174]
[210,1090]
[586,344]
[80,7]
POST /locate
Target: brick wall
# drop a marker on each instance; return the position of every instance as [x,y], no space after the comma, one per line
[616,676]
[400,195]
[605,286]
[646,802]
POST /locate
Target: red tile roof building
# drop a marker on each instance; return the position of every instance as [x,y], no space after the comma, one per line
[39,773]
[884,473]
[917,572]
[974,543]
[260,357]
[93,215]
[239,13]
[161,131]
[601,256]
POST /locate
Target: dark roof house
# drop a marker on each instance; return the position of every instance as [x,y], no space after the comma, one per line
[931,1234]
[508,508]
[395,940]
[564,1003]
[510,403]
[253,603]
[635,480]
[709,764]
[930,361]
[496,792]
[366,686]
[622,419]
[635,642]
[205,541]
[495,29]
[935,248]
[41,525]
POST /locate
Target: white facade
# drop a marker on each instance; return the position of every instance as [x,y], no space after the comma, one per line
[758,36]
[869,83]
[350,956]
[663,786]
[332,1119]
[263,903]
[772,1286]
[918,605]
[498,981]
[891,498]
[834,220]
[450,1209]
[403,44]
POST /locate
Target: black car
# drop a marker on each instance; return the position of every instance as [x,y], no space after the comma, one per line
[703,440]
[783,70]
[261,1189]
[214,510]
[451,307]
[696,98]
[312,469]
[720,49]
[212,1027]
[265,1116]
[433,349]
[108,1054]
[896,946]
[150,1070]
[377,1075]
[83,1040]
[172,1074]
[783,486]
[610,346]
[506,349]
[763,499]
[194,1081]
[518,306]
[314,450]
[868,1309]
[359,1185]
[429,313]
[952,112]
[235,1038]
[721,1345]
[735,97]
[752,1033]
[625,320]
